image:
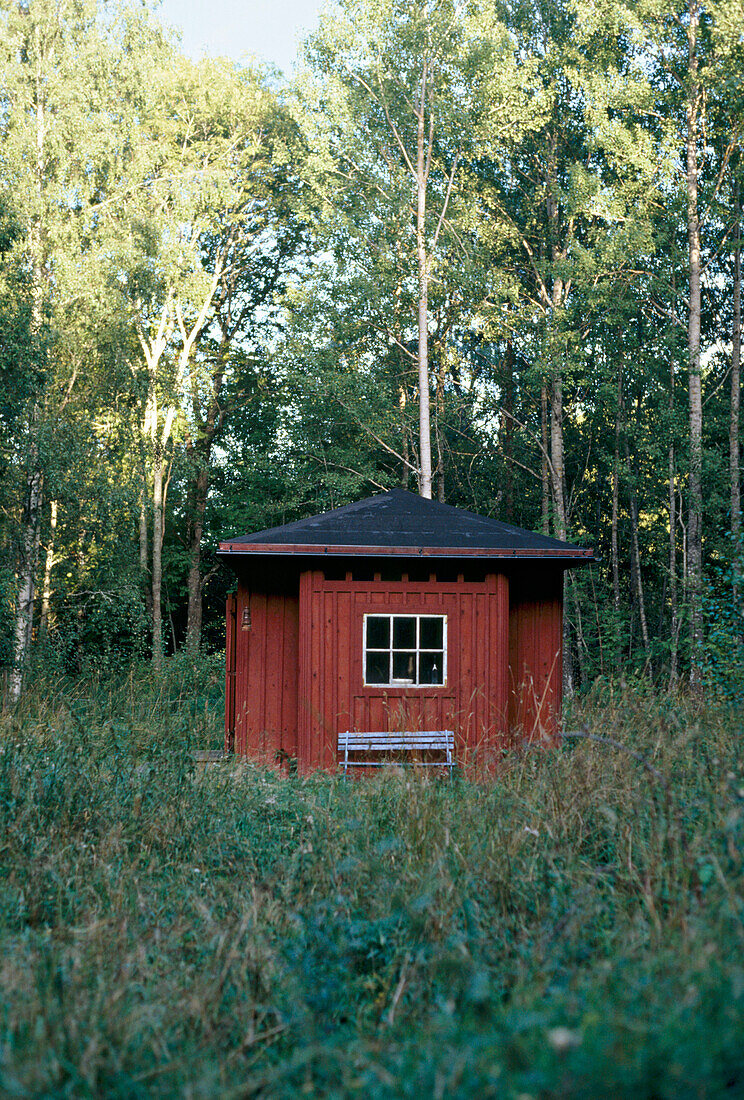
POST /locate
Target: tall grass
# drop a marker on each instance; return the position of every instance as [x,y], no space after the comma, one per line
[574,928]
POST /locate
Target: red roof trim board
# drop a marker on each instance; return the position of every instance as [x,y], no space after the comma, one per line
[569,553]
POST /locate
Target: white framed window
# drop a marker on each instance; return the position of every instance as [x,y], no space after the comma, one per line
[405,650]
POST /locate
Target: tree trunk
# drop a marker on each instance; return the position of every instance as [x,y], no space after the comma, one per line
[734,449]
[557,462]
[673,603]
[441,372]
[31,529]
[144,550]
[405,449]
[196,530]
[35,554]
[423,303]
[558,295]
[556,456]
[615,540]
[441,494]
[27,573]
[46,591]
[559,510]
[200,455]
[544,470]
[508,443]
[635,552]
[157,557]
[695,518]
[615,532]
[581,646]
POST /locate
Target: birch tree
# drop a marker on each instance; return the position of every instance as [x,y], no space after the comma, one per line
[59,152]
[692,47]
[205,165]
[408,92]
[735,402]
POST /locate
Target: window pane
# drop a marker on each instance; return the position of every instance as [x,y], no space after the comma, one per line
[432,634]
[404,666]
[404,633]
[431,668]
[378,632]
[378,668]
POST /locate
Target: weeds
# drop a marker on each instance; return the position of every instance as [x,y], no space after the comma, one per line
[574,928]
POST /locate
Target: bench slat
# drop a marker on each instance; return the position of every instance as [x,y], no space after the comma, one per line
[388,764]
[394,737]
[437,735]
[397,748]
[397,741]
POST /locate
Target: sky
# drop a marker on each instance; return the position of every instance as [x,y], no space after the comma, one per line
[270,29]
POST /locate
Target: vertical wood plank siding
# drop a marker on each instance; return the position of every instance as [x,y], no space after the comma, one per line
[536,653]
[266,670]
[295,665]
[333,698]
[231,611]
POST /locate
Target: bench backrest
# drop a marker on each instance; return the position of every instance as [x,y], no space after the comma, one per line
[381,741]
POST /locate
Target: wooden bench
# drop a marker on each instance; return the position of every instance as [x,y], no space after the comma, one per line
[209,756]
[381,742]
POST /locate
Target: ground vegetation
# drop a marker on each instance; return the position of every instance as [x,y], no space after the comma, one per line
[573,929]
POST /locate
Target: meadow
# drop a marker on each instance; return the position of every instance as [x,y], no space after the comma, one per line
[574,928]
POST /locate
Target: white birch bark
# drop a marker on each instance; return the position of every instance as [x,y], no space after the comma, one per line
[46,590]
[695,518]
[423,301]
[734,444]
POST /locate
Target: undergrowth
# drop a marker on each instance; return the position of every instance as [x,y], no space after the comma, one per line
[573,928]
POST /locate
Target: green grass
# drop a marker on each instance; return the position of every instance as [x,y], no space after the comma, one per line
[573,929]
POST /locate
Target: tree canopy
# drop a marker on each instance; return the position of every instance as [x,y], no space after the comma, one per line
[488,251]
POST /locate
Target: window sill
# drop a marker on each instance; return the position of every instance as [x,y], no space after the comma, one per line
[401,689]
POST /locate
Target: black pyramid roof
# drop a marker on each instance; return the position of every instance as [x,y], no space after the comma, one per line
[398,523]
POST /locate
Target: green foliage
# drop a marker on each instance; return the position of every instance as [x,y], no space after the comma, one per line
[105,631]
[723,607]
[137,187]
[574,928]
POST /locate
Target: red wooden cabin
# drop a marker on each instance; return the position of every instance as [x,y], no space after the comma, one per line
[395,613]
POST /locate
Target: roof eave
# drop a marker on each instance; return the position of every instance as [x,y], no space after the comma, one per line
[228,549]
